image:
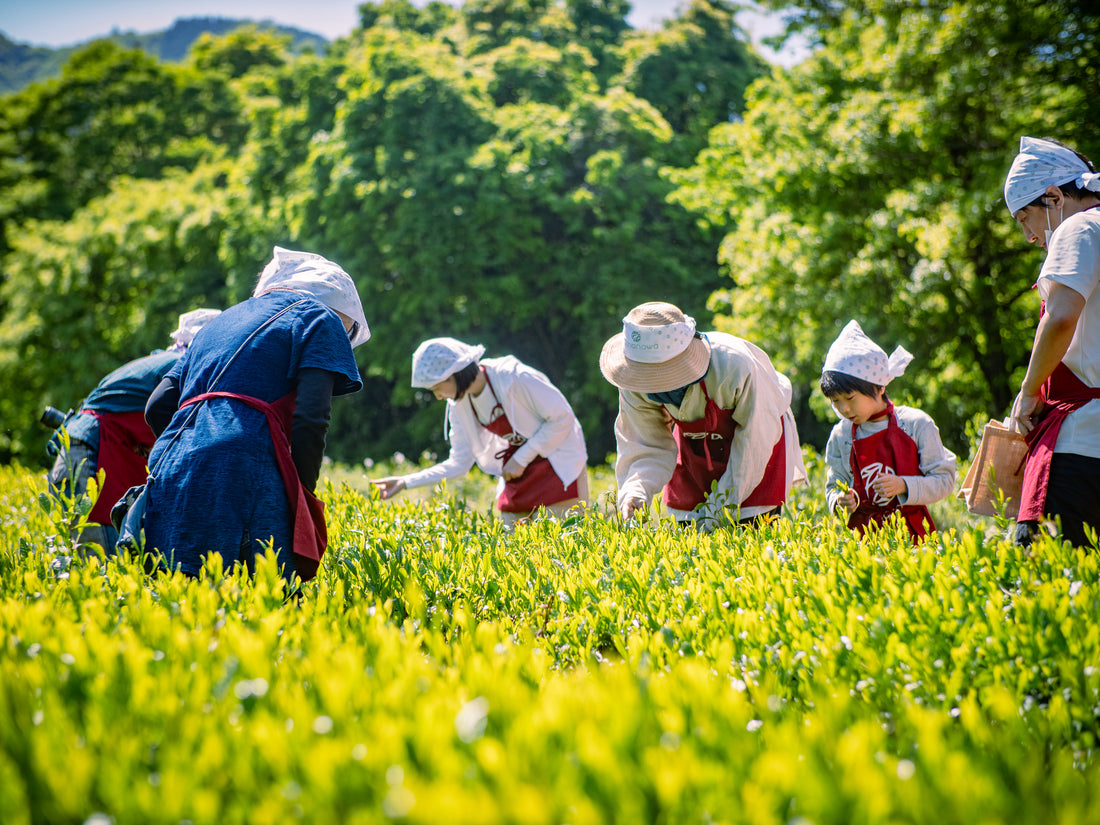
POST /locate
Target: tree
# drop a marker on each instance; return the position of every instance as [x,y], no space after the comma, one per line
[694,71]
[866,183]
[83,296]
[492,182]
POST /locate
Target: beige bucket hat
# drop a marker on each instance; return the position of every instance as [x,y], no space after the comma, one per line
[657,350]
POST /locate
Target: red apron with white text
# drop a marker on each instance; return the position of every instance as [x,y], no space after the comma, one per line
[124,444]
[1062,393]
[539,486]
[889,452]
[703,452]
[307,512]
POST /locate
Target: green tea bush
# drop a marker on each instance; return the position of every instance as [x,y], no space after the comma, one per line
[442,670]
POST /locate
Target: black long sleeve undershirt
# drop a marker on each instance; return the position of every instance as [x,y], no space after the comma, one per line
[311,415]
[308,429]
[162,405]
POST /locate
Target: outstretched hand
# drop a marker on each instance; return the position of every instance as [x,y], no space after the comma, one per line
[631,506]
[390,486]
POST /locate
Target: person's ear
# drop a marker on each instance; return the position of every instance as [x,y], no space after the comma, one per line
[1055,197]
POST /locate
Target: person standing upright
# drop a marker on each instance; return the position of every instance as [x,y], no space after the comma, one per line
[1052,193]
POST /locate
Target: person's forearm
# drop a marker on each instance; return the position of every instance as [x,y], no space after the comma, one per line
[1051,342]
[162,405]
[1052,338]
[310,424]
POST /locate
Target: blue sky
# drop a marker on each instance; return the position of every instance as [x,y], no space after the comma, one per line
[65,22]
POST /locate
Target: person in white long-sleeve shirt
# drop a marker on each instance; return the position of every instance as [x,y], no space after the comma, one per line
[704,418]
[881,458]
[507,418]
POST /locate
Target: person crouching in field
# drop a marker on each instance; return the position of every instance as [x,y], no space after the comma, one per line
[706,417]
[109,432]
[881,459]
[241,421]
[508,419]
[1053,193]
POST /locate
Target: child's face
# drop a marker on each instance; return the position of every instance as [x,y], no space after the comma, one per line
[859,408]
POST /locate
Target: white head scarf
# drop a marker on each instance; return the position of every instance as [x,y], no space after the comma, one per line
[190,323]
[437,359]
[854,354]
[319,277]
[1041,164]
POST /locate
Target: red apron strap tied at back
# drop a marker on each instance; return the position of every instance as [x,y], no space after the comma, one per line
[310,534]
[1063,392]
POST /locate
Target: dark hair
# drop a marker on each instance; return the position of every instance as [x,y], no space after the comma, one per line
[464,378]
[1071,189]
[838,383]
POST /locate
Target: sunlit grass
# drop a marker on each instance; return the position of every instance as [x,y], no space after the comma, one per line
[442,669]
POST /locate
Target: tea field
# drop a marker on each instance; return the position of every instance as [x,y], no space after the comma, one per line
[441,670]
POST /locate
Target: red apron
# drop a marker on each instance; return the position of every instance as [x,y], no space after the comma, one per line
[703,452]
[124,444]
[889,452]
[310,534]
[539,486]
[1063,392]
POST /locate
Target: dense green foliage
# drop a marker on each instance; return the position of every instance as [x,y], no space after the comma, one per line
[490,172]
[442,670]
[867,183]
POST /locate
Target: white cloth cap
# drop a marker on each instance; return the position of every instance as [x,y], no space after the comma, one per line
[437,359]
[191,322]
[854,354]
[1041,164]
[656,344]
[319,277]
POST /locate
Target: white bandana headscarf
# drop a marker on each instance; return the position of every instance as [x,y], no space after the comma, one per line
[656,344]
[319,277]
[437,359]
[1041,164]
[190,323]
[854,354]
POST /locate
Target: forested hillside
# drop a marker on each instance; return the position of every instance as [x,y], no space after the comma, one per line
[520,174]
[22,64]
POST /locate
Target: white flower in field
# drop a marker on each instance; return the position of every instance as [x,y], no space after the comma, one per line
[398,802]
[368,463]
[398,458]
[906,769]
[322,725]
[99,819]
[754,725]
[1074,588]
[471,720]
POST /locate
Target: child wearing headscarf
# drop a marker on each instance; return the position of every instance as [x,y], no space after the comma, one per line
[881,458]
[1053,193]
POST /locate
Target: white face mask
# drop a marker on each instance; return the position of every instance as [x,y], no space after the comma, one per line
[1048,231]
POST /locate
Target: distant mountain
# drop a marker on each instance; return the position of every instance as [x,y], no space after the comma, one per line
[22,64]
